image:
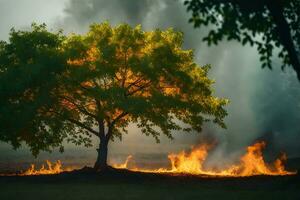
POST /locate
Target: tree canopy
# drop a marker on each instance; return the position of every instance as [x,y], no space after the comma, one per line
[267,24]
[59,87]
[29,65]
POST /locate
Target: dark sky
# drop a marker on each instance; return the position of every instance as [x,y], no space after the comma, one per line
[263,104]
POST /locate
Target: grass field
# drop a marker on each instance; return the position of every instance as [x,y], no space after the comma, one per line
[127,185]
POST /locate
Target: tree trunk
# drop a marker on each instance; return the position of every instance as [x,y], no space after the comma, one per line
[101,163]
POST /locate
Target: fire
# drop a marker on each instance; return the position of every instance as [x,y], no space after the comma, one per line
[250,164]
[123,165]
[51,168]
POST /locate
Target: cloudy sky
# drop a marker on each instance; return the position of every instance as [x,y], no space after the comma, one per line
[264,104]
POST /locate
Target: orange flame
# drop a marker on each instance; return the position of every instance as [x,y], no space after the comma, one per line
[50,168]
[251,163]
[123,165]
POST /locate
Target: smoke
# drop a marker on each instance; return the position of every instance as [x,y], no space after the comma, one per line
[263,102]
[20,14]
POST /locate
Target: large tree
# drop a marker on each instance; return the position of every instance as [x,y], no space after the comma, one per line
[113,76]
[264,23]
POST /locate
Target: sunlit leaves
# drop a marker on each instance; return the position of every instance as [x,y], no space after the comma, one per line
[144,74]
[100,82]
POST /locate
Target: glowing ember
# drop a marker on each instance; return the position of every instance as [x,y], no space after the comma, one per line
[251,163]
[50,168]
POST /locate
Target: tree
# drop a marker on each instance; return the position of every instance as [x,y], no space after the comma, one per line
[264,23]
[29,65]
[113,76]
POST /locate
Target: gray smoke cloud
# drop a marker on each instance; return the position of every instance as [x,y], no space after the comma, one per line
[264,104]
[20,14]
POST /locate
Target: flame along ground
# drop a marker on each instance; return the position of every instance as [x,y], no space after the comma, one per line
[50,168]
[251,163]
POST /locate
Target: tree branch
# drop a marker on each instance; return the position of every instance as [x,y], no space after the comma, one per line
[284,33]
[134,83]
[114,121]
[83,126]
[125,70]
[80,108]
[138,89]
[77,123]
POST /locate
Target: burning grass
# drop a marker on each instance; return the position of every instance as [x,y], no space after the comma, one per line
[51,168]
[48,168]
[252,163]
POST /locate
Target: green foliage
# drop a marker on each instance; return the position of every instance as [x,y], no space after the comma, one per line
[29,64]
[99,82]
[265,24]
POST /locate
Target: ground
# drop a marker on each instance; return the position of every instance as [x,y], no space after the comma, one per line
[121,184]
